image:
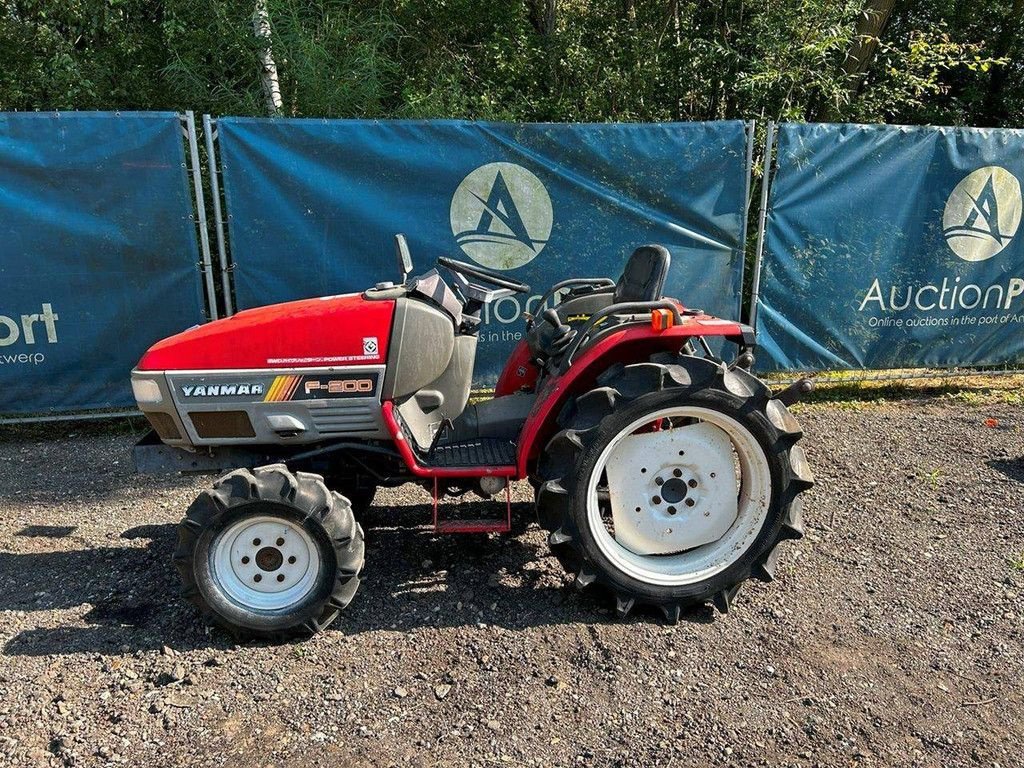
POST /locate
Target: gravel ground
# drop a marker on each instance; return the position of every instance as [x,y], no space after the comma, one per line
[891,636]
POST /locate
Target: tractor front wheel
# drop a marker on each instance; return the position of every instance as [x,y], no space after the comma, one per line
[270,553]
[671,483]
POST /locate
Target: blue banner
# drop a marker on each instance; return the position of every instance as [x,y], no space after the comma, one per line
[98,256]
[894,247]
[314,205]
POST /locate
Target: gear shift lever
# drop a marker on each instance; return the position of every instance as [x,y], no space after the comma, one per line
[561,336]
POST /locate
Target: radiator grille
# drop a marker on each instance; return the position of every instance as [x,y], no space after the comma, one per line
[214,424]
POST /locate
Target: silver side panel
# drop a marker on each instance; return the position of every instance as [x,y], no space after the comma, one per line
[347,418]
[291,406]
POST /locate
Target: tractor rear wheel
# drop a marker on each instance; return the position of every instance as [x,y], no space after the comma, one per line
[270,553]
[671,483]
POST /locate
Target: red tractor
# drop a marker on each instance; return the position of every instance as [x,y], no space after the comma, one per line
[663,474]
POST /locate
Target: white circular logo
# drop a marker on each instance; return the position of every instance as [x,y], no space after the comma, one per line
[501,215]
[982,213]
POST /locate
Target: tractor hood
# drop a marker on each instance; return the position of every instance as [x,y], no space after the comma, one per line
[311,333]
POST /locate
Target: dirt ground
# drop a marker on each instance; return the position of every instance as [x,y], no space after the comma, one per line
[891,636]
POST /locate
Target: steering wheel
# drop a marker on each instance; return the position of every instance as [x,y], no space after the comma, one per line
[487,275]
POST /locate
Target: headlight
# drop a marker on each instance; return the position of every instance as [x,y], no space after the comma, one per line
[146,391]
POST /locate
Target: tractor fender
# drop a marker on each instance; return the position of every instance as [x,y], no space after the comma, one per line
[519,372]
[630,344]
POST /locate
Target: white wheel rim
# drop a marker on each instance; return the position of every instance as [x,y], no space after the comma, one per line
[704,561]
[265,563]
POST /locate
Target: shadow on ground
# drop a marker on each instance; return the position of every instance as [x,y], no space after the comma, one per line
[1012,468]
[412,579]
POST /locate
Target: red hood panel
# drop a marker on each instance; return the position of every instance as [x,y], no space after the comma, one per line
[312,333]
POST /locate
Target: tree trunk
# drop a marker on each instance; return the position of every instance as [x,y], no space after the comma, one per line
[629,11]
[995,102]
[542,16]
[268,68]
[870,26]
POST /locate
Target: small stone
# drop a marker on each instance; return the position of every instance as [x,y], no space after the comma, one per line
[179,672]
[167,651]
[441,691]
[428,564]
[180,700]
[401,692]
[552,680]
[494,725]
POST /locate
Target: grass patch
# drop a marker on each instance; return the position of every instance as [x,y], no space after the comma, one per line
[933,477]
[841,390]
[59,430]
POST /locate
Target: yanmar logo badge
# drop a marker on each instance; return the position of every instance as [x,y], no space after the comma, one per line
[501,215]
[222,390]
[982,213]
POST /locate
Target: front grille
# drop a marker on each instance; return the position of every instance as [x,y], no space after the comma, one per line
[212,424]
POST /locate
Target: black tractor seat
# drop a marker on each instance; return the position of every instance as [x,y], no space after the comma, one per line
[642,279]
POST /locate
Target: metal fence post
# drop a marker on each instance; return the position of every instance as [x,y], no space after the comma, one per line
[204,237]
[749,171]
[762,216]
[751,137]
[210,134]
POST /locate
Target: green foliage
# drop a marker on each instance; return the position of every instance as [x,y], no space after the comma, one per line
[937,61]
[1017,563]
[211,57]
[79,54]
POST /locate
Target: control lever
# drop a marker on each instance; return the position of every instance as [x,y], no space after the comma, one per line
[551,315]
[442,428]
[561,337]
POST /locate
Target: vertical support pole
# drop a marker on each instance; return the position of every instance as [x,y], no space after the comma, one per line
[204,237]
[435,504]
[508,505]
[751,137]
[749,172]
[218,218]
[761,218]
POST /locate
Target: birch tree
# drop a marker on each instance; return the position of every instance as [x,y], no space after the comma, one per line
[268,68]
